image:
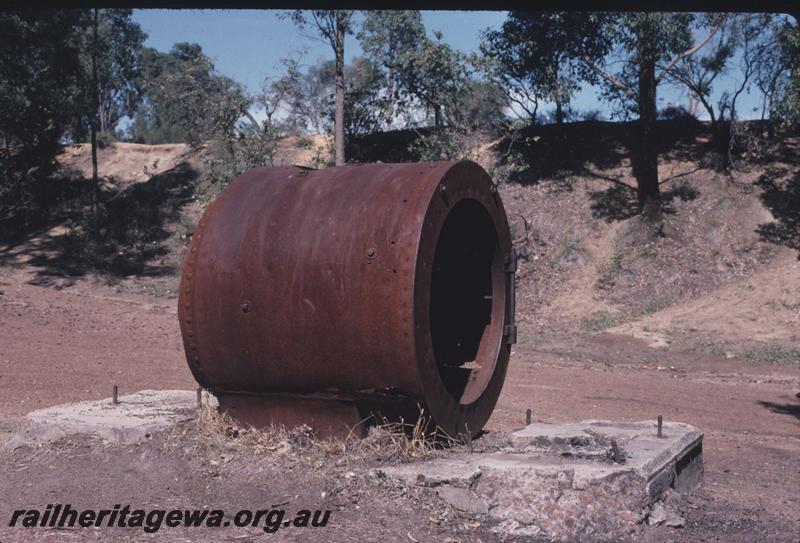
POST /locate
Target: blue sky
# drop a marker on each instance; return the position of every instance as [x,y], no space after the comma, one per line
[248,45]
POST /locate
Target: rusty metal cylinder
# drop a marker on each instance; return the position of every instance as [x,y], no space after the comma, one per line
[323,296]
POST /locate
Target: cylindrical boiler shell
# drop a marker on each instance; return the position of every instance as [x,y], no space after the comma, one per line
[365,281]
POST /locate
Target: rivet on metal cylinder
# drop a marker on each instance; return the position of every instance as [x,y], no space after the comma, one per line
[427,327]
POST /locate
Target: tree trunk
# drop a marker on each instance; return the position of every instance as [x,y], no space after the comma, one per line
[559,111]
[645,163]
[93,129]
[722,139]
[102,115]
[95,183]
[390,99]
[7,167]
[559,108]
[437,115]
[339,117]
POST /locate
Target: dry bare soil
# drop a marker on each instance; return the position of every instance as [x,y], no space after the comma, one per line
[700,324]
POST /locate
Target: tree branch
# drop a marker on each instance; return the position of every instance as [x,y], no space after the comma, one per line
[608,77]
[688,52]
[252,119]
[592,173]
[696,89]
[679,175]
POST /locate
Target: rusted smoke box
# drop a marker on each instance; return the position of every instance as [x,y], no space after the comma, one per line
[321,297]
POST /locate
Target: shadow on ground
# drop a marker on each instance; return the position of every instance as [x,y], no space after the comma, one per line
[782,408]
[576,149]
[618,203]
[131,229]
[781,195]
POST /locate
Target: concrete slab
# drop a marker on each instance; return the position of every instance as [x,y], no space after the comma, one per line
[560,482]
[135,418]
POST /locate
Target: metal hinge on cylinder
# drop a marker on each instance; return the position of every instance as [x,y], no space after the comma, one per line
[510,329]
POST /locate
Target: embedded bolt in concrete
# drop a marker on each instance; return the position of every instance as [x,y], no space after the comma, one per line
[660,423]
[492,482]
[114,395]
[615,451]
[142,415]
[528,415]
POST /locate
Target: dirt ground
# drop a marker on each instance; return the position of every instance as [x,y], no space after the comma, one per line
[75,343]
[700,325]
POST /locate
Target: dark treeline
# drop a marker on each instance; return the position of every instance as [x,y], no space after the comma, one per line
[71,75]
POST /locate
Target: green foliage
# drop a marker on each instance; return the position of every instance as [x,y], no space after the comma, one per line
[619,51]
[387,37]
[364,102]
[699,72]
[309,97]
[551,53]
[109,57]
[38,85]
[529,58]
[439,144]
[322,21]
[437,76]
[235,154]
[424,73]
[185,100]
[333,26]
[483,105]
[786,104]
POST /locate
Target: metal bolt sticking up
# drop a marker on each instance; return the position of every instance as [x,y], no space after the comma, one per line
[660,423]
[615,451]
[114,395]
[528,415]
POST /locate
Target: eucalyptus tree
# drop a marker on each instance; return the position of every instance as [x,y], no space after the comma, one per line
[185,99]
[528,57]
[787,100]
[332,26]
[628,54]
[387,37]
[40,91]
[111,44]
[437,76]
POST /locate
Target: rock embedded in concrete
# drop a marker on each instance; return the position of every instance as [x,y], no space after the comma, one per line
[136,418]
[560,482]
[463,499]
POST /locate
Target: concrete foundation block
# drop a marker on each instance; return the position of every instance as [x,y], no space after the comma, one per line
[560,481]
[135,418]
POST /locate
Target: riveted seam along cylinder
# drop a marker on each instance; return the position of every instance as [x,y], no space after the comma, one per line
[355,283]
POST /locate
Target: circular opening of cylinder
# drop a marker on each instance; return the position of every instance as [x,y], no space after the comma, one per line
[467,300]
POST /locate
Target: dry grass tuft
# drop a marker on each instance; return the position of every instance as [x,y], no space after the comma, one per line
[387,442]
